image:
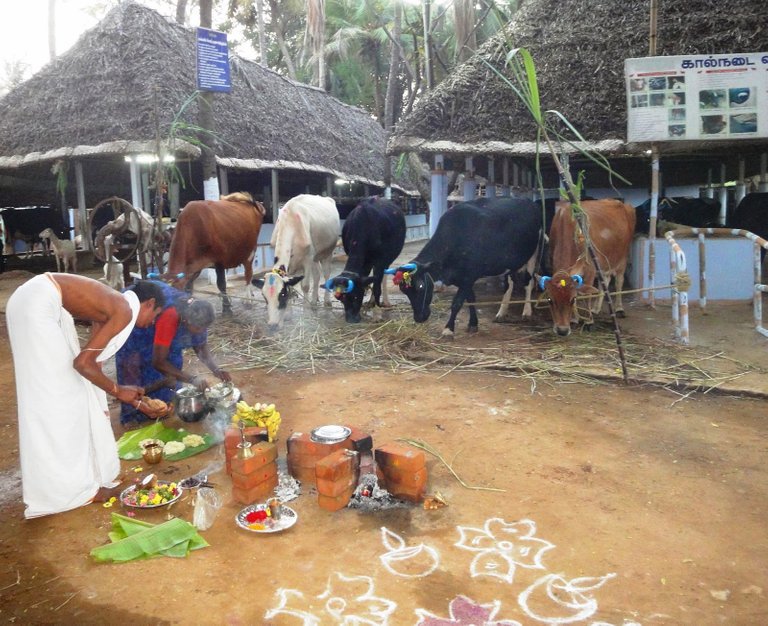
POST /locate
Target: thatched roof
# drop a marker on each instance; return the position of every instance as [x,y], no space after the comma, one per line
[103,97]
[579,49]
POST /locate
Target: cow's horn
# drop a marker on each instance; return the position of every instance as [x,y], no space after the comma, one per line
[153,275]
[578,280]
[350,285]
[408,267]
[390,270]
[328,284]
[543,281]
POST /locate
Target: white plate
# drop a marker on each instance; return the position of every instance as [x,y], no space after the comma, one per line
[287,519]
[125,492]
[330,434]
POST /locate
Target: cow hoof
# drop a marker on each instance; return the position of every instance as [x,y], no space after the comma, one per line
[471,329]
[527,318]
[226,312]
[620,313]
[499,318]
[588,327]
[447,333]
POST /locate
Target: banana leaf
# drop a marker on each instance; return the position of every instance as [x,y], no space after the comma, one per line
[128,447]
[134,539]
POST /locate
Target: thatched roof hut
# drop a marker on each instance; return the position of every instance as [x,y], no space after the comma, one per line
[579,49]
[126,79]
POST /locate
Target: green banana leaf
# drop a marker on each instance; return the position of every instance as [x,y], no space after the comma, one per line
[128,445]
[133,539]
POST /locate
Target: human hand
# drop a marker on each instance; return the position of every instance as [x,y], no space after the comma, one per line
[223,375]
[199,382]
[129,394]
[153,408]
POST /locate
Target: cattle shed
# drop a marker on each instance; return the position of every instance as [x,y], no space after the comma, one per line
[473,123]
[95,115]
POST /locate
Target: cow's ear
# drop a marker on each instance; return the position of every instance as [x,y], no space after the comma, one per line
[293,280]
[258,283]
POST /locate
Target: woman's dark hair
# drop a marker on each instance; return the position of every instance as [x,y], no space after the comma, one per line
[146,289]
[198,313]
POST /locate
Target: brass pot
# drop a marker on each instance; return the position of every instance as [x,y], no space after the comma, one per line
[153,453]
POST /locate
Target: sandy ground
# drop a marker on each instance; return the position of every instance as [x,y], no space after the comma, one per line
[611,504]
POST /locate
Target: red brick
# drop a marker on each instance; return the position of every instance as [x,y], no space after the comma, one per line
[411,494]
[339,464]
[361,441]
[263,454]
[399,456]
[367,465]
[334,503]
[260,492]
[405,485]
[305,474]
[301,443]
[254,434]
[333,488]
[248,480]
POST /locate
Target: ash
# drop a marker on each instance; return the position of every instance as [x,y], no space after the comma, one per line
[378,500]
[288,488]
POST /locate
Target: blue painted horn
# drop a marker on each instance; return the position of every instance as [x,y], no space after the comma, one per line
[543,281]
[153,275]
[350,285]
[408,267]
[578,280]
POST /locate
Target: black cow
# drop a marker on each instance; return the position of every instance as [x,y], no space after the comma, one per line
[697,212]
[484,237]
[373,235]
[752,214]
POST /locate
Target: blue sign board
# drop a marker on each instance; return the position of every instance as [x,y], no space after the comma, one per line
[212,61]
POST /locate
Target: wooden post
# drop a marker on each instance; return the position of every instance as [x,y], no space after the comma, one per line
[223,181]
[490,185]
[470,184]
[505,177]
[652,226]
[275,194]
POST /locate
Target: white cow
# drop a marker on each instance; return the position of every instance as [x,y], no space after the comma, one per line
[304,238]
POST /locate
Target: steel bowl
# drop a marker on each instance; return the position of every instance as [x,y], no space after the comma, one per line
[190,404]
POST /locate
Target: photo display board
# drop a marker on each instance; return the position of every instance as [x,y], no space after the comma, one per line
[709,97]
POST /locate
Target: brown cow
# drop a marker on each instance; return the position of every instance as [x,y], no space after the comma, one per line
[611,225]
[222,233]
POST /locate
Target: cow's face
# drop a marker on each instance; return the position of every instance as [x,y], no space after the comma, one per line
[561,290]
[416,282]
[349,289]
[276,289]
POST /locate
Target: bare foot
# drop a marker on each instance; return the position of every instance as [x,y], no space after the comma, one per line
[105,493]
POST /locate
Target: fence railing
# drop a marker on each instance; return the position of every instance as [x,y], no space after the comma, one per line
[679,272]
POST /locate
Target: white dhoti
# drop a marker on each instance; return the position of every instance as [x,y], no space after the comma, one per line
[66,444]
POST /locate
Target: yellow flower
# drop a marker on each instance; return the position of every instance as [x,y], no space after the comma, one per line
[138,469]
[113,499]
[106,505]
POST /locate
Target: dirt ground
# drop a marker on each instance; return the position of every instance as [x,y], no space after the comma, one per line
[611,504]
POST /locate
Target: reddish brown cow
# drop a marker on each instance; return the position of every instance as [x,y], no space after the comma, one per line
[222,233]
[611,224]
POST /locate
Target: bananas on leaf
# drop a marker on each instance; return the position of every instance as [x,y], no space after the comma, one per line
[261,415]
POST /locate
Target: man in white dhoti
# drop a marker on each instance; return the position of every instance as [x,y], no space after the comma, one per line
[66,444]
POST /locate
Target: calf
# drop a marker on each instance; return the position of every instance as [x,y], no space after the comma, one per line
[484,237]
[611,224]
[373,236]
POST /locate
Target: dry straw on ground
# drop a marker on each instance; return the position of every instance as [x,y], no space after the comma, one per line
[320,341]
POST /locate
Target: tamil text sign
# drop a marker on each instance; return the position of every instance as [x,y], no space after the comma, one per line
[721,96]
[212,61]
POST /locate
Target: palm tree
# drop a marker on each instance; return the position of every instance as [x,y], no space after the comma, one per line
[314,40]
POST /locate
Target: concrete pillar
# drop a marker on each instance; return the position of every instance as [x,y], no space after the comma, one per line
[82,215]
[135,182]
[173,199]
[741,186]
[470,184]
[490,186]
[723,196]
[329,186]
[504,190]
[275,194]
[710,187]
[146,205]
[439,203]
